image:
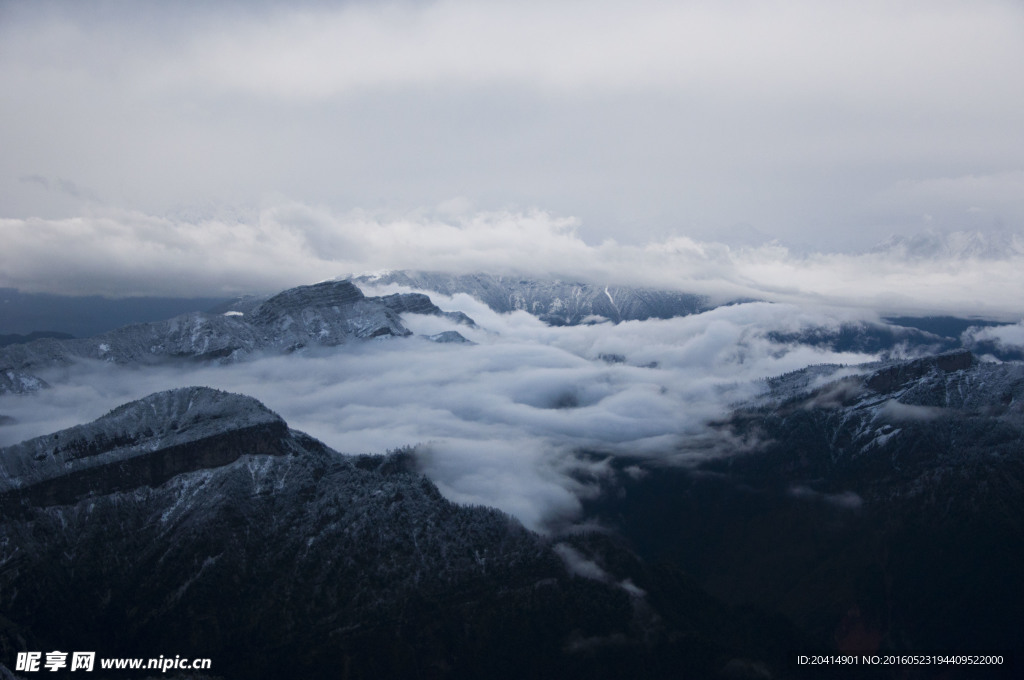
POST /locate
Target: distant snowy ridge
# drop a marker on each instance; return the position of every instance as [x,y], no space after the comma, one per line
[325,314]
[927,414]
[953,245]
[556,302]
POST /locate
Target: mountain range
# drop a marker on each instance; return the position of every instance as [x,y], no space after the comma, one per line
[567,303]
[556,302]
[336,312]
[871,508]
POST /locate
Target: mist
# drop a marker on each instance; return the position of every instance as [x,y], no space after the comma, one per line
[523,420]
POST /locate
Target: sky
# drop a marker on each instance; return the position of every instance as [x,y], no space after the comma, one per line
[733,148]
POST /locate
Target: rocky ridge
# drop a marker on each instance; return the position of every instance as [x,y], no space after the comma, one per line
[325,314]
[145,442]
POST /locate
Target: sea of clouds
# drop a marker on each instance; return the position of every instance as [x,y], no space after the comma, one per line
[526,419]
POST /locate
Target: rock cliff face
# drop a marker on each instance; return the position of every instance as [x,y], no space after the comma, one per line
[143,443]
[194,522]
[325,314]
[558,303]
[905,375]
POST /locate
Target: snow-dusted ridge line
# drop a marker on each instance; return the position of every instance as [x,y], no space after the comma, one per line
[555,301]
[142,442]
[929,414]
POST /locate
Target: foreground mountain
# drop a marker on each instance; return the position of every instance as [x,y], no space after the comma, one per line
[877,508]
[326,314]
[556,302]
[195,522]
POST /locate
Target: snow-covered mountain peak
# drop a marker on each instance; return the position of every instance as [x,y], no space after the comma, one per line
[328,294]
[326,314]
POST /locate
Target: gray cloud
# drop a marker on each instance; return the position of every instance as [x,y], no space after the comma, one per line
[579,565]
[1010,336]
[895,411]
[847,500]
[64,186]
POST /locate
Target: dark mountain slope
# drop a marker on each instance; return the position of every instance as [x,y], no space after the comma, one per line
[195,522]
[879,511]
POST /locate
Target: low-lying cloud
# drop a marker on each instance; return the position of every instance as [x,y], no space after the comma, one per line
[1007,337]
[847,500]
[897,412]
[524,420]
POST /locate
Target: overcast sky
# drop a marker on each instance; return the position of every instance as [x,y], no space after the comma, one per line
[176,148]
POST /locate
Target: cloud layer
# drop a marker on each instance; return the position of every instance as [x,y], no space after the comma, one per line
[964,273]
[522,420]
